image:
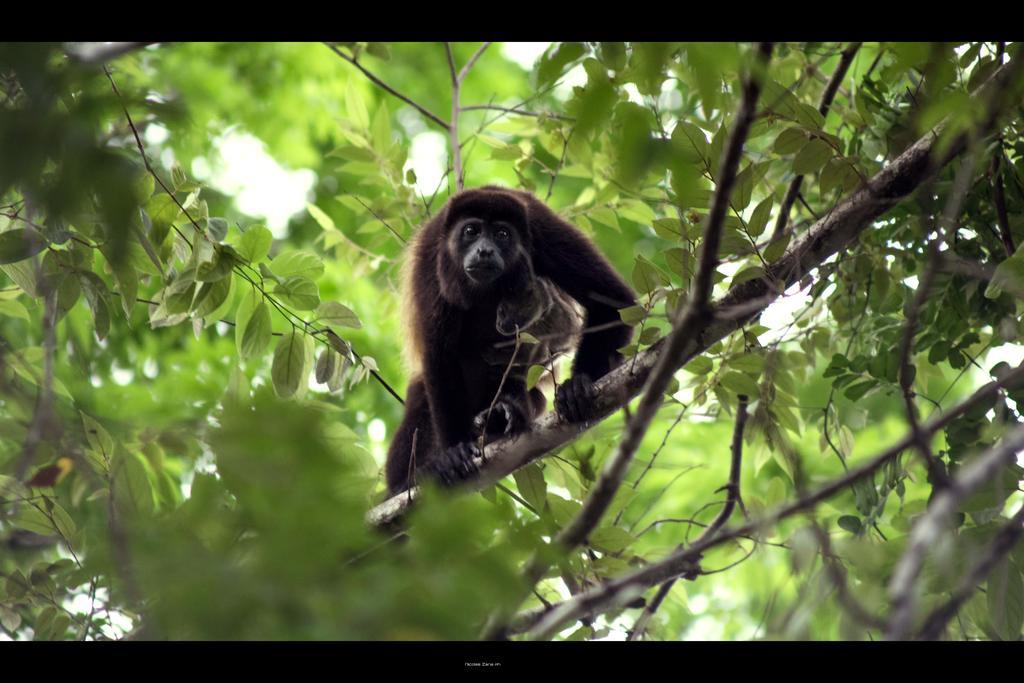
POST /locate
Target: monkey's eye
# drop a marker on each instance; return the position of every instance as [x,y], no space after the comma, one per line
[503,235]
[471,230]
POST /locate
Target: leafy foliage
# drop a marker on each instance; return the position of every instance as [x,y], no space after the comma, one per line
[196,403]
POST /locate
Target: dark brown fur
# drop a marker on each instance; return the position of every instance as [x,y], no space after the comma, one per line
[452,325]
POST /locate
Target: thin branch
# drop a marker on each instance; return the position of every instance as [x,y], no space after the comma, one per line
[732,499]
[823,106]
[999,198]
[516,110]
[431,116]
[946,227]
[472,60]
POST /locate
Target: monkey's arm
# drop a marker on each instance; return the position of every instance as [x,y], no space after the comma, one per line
[443,379]
[574,264]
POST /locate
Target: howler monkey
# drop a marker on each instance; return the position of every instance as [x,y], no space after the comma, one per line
[475,253]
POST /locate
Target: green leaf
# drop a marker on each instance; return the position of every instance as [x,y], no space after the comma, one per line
[610,539]
[811,157]
[255,243]
[133,485]
[304,263]
[326,365]
[31,518]
[288,370]
[850,523]
[356,106]
[740,383]
[379,50]
[257,333]
[759,218]
[217,227]
[789,141]
[743,188]
[532,486]
[96,295]
[533,375]
[333,313]
[700,365]
[776,248]
[321,217]
[1005,596]
[13,309]
[646,276]
[1008,276]
[20,244]
[690,143]
[250,298]
[298,292]
[631,315]
[680,261]
[381,130]
[551,66]
[215,301]
[855,392]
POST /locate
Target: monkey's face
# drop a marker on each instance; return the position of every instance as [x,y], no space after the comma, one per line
[489,248]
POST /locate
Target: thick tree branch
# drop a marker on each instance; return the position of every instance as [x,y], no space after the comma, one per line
[826,102]
[98,53]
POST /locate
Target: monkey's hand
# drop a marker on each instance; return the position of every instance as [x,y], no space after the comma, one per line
[574,400]
[507,418]
[454,464]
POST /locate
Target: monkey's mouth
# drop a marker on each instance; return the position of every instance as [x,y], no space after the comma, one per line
[483,272]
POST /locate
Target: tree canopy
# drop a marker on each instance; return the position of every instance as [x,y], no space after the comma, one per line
[814,435]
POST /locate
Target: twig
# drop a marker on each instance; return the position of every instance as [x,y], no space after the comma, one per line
[732,499]
[518,111]
[431,116]
[823,106]
[999,197]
